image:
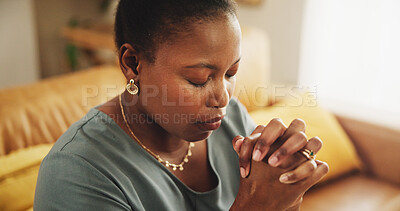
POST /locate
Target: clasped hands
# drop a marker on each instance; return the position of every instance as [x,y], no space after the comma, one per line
[282,177]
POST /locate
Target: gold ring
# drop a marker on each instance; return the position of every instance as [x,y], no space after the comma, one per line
[309,154]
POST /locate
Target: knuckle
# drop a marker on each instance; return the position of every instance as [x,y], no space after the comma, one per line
[282,128]
[316,143]
[324,167]
[276,120]
[247,142]
[261,143]
[259,127]
[299,122]
[309,167]
[243,159]
[282,151]
[317,140]
[301,135]
[278,123]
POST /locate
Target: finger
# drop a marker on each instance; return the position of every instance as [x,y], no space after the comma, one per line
[314,144]
[238,140]
[303,171]
[237,143]
[321,170]
[296,142]
[245,153]
[271,132]
[259,129]
[295,126]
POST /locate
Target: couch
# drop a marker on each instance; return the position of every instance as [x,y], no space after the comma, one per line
[364,158]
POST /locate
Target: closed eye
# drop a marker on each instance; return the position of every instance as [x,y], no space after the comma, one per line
[198,84]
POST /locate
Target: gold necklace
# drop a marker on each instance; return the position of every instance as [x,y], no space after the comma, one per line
[162,161]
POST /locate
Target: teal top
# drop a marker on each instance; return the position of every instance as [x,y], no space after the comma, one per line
[95,165]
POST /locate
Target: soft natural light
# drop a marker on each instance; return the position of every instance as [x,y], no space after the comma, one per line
[351,51]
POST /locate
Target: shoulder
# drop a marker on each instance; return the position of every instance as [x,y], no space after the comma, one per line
[72,172]
[65,177]
[73,148]
[94,130]
[93,140]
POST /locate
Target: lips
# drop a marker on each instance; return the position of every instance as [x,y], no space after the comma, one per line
[211,124]
[216,119]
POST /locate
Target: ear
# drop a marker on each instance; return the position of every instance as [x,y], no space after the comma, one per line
[129,61]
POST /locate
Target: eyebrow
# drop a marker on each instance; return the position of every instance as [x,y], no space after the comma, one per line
[209,66]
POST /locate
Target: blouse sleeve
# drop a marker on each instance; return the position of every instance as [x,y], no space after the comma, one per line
[68,182]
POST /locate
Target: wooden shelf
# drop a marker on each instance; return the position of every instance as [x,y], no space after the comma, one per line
[98,37]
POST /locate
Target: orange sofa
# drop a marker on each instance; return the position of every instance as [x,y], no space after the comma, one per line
[33,116]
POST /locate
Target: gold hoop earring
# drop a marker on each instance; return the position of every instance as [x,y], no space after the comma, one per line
[132,88]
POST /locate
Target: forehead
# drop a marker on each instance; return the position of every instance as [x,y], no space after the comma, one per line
[211,41]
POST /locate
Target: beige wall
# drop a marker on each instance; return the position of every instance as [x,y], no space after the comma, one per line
[282,20]
[18,43]
[52,15]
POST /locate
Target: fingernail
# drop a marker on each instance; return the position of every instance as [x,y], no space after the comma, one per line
[273,161]
[242,172]
[284,178]
[257,155]
[238,141]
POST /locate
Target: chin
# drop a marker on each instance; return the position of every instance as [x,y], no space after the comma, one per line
[198,137]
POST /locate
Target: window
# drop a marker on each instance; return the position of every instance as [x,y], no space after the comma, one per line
[350,50]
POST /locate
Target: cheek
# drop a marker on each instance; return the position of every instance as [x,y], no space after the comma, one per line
[172,98]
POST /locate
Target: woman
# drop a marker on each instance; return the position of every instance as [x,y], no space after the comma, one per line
[166,142]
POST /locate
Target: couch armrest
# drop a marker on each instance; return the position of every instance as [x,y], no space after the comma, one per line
[377,146]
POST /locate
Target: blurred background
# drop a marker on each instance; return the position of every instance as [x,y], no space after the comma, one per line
[58,60]
[348,50]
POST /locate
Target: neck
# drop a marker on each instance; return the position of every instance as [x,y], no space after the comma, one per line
[151,134]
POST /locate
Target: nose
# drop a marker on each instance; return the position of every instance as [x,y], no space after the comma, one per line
[218,96]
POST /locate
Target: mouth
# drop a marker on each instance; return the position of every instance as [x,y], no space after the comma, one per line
[211,124]
[216,119]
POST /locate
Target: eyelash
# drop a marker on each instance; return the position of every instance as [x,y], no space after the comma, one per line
[199,85]
[203,84]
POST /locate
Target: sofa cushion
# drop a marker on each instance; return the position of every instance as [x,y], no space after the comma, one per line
[39,113]
[338,150]
[370,139]
[18,174]
[354,192]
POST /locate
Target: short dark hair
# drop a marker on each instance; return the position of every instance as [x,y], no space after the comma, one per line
[147,23]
